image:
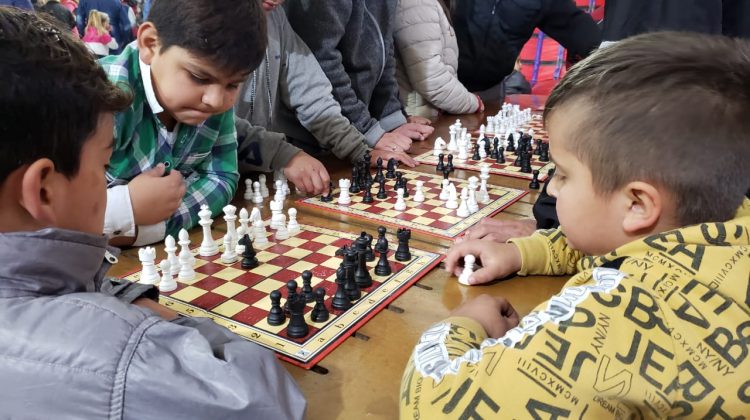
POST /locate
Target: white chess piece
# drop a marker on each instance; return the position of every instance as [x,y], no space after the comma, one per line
[400,201]
[279,190]
[229,255]
[344,199]
[452,202]
[263,186]
[277,207]
[239,249]
[257,195]
[184,241]
[484,195]
[248,189]
[472,203]
[453,145]
[208,246]
[244,222]
[293,226]
[482,129]
[481,145]
[463,208]
[186,272]
[230,217]
[167,283]
[439,146]
[418,193]
[463,149]
[171,249]
[282,233]
[149,275]
[469,261]
[259,232]
[444,190]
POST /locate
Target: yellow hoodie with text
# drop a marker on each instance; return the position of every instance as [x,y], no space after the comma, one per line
[658,328]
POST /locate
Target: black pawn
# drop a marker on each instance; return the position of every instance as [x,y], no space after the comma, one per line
[544,153]
[291,288]
[519,157]
[441,163]
[367,199]
[511,143]
[319,312]
[382,244]
[405,186]
[446,174]
[538,150]
[370,253]
[500,155]
[399,177]
[495,145]
[307,290]
[487,145]
[402,252]
[382,195]
[476,155]
[383,267]
[379,176]
[248,255]
[391,169]
[361,275]
[340,300]
[354,186]
[449,166]
[329,197]
[297,327]
[534,184]
[276,314]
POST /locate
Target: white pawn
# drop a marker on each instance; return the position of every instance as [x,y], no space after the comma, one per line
[439,146]
[469,261]
[279,190]
[472,203]
[257,195]
[171,249]
[463,153]
[344,199]
[263,186]
[167,283]
[259,233]
[484,195]
[452,202]
[229,255]
[419,194]
[186,272]
[149,275]
[463,208]
[239,249]
[282,233]
[444,192]
[293,226]
[400,202]
[208,247]
[184,241]
[248,189]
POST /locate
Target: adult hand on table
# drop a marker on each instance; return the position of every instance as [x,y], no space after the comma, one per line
[499,230]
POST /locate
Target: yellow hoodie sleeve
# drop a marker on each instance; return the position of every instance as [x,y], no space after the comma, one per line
[546,252]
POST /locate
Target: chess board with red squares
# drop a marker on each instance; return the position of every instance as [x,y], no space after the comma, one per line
[505,169]
[430,217]
[239,299]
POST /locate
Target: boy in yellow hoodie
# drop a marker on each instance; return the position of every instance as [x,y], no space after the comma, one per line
[651,138]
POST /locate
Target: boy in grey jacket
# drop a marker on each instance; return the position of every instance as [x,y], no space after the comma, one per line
[353,43]
[289,93]
[72,344]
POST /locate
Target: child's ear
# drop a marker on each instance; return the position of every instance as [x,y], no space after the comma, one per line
[148,42]
[645,207]
[38,191]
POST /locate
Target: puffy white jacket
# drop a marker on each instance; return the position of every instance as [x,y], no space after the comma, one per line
[427,60]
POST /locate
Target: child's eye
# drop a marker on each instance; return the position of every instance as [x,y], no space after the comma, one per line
[233,86]
[198,79]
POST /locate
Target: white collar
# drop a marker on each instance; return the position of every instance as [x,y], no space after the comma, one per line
[148,88]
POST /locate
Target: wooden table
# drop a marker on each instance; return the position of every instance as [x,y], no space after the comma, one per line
[361,378]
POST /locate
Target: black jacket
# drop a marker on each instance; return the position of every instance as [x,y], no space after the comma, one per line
[59,12]
[625,18]
[491,34]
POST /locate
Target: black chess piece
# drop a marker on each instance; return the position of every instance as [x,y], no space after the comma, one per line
[328,197]
[487,145]
[399,176]
[441,163]
[449,166]
[405,186]
[370,253]
[538,149]
[365,174]
[382,194]
[276,315]
[320,312]
[519,156]
[307,290]
[297,327]
[340,300]
[391,169]
[379,176]
[382,244]
[291,291]
[526,162]
[367,198]
[350,266]
[383,267]
[511,143]
[500,155]
[534,184]
[354,186]
[362,275]
[248,255]
[544,153]
[402,252]
[476,155]
[495,145]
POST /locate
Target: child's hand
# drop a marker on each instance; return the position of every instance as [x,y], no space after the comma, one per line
[416,119]
[307,174]
[156,197]
[418,132]
[393,142]
[495,314]
[387,154]
[499,230]
[497,260]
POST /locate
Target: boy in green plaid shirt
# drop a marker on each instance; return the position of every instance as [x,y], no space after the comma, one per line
[176,146]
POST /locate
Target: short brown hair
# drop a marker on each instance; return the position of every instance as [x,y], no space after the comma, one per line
[669,108]
[52,93]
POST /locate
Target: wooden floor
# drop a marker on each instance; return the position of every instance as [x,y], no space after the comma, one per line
[361,378]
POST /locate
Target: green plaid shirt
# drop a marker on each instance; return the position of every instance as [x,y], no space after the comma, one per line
[206,155]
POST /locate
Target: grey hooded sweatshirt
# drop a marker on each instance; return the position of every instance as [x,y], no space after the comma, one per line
[69,351]
[289,93]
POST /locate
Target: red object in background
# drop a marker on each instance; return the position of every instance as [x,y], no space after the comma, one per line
[543,60]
